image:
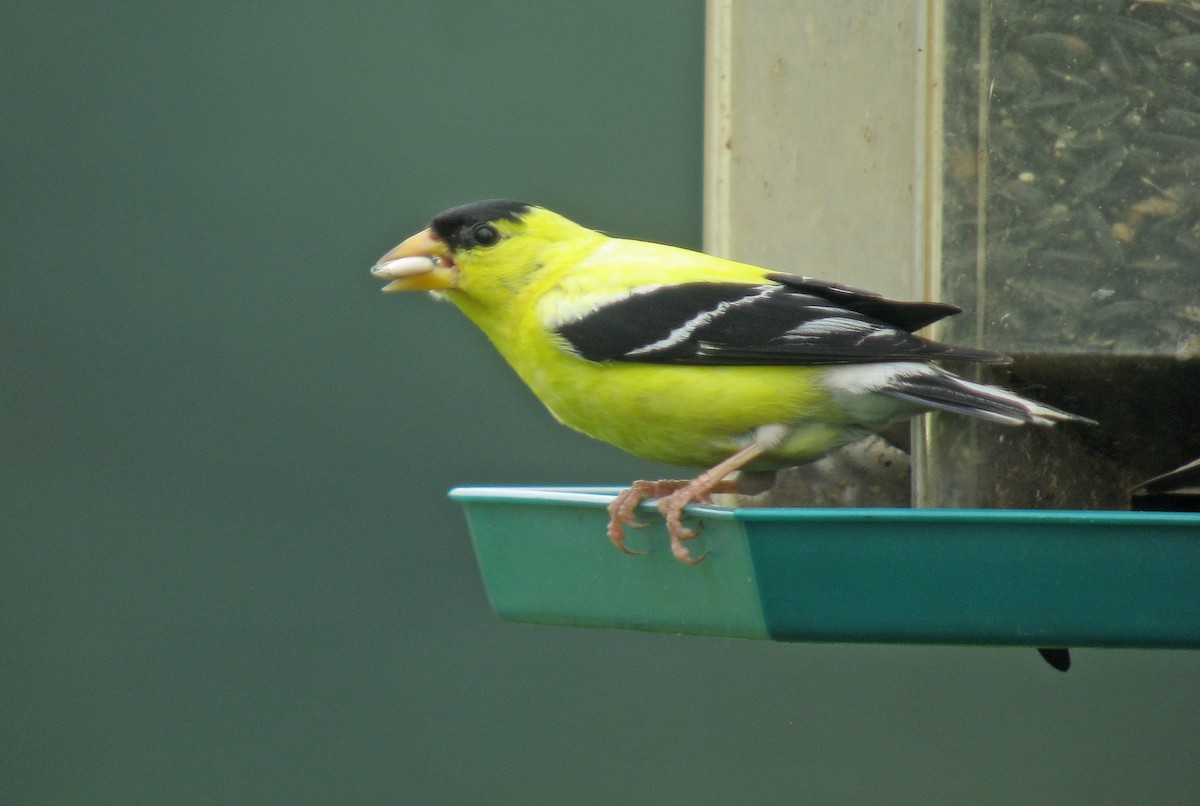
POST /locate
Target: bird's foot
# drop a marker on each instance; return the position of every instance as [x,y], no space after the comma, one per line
[672,497]
[699,490]
[621,510]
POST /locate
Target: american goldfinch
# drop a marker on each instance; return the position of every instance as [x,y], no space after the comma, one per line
[685,358]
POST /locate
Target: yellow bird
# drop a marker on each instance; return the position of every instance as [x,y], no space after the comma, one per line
[689,359]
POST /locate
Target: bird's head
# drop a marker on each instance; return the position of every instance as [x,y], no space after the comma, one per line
[485,250]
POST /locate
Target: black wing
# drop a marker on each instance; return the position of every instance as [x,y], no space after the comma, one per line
[907,315]
[793,320]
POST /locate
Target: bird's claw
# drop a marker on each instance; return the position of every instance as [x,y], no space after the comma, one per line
[671,508]
[617,535]
[620,514]
[681,552]
[684,557]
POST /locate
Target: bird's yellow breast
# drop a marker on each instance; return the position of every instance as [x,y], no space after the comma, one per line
[687,415]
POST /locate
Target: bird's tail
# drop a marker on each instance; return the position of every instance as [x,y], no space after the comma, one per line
[932,388]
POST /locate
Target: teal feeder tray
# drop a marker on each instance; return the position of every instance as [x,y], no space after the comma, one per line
[911,576]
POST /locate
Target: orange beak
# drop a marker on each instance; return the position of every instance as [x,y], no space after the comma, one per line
[421,263]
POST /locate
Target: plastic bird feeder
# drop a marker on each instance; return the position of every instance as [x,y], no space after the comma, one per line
[1001,577]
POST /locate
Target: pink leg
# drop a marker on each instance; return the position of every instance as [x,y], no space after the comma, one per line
[700,489]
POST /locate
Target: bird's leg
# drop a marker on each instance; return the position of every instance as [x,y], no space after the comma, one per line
[620,511]
[700,489]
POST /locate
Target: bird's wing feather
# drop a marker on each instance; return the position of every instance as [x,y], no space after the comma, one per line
[907,315]
[733,323]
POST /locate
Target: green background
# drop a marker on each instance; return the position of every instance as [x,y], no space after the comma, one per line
[228,569]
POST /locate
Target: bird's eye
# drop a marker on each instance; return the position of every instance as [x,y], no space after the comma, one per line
[486,235]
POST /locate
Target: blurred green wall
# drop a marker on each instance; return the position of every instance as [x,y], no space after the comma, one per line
[228,571]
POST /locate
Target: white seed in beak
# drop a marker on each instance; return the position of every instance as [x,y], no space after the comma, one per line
[403,267]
